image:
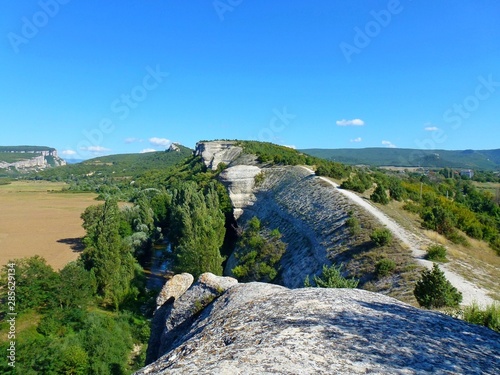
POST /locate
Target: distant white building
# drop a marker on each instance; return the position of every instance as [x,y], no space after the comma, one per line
[467,173]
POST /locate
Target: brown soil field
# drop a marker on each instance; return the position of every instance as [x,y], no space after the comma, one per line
[36,221]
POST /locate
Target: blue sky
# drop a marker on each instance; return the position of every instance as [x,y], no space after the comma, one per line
[101,77]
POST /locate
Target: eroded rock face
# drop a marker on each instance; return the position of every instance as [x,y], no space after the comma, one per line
[260,328]
[240,182]
[215,152]
[176,314]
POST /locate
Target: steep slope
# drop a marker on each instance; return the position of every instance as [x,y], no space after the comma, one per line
[260,328]
[310,218]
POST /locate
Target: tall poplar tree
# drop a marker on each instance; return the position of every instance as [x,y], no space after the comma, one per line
[106,255]
[196,230]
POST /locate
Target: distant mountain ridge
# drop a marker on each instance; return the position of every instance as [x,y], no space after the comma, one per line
[29,158]
[404,157]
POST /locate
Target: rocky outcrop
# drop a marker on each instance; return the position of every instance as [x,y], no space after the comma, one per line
[174,147]
[215,152]
[179,312]
[260,328]
[38,161]
[308,212]
[46,159]
[240,183]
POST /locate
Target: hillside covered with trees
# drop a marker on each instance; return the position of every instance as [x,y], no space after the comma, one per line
[401,157]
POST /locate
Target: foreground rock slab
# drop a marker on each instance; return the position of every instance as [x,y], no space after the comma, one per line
[260,328]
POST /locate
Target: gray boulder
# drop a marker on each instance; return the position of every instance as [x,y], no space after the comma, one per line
[174,288]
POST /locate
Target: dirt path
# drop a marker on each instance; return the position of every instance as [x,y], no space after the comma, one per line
[470,292]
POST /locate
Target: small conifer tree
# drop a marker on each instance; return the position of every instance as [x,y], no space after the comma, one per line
[433,290]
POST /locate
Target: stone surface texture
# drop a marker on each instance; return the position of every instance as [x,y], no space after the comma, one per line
[260,328]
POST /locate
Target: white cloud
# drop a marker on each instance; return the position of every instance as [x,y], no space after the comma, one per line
[68,152]
[357,140]
[132,140]
[148,150]
[95,149]
[431,128]
[290,146]
[353,122]
[160,141]
[389,144]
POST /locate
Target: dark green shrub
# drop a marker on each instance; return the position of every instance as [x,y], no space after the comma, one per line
[332,278]
[360,182]
[436,253]
[381,237]
[396,190]
[353,225]
[413,207]
[440,219]
[433,290]
[259,179]
[258,253]
[380,195]
[385,267]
